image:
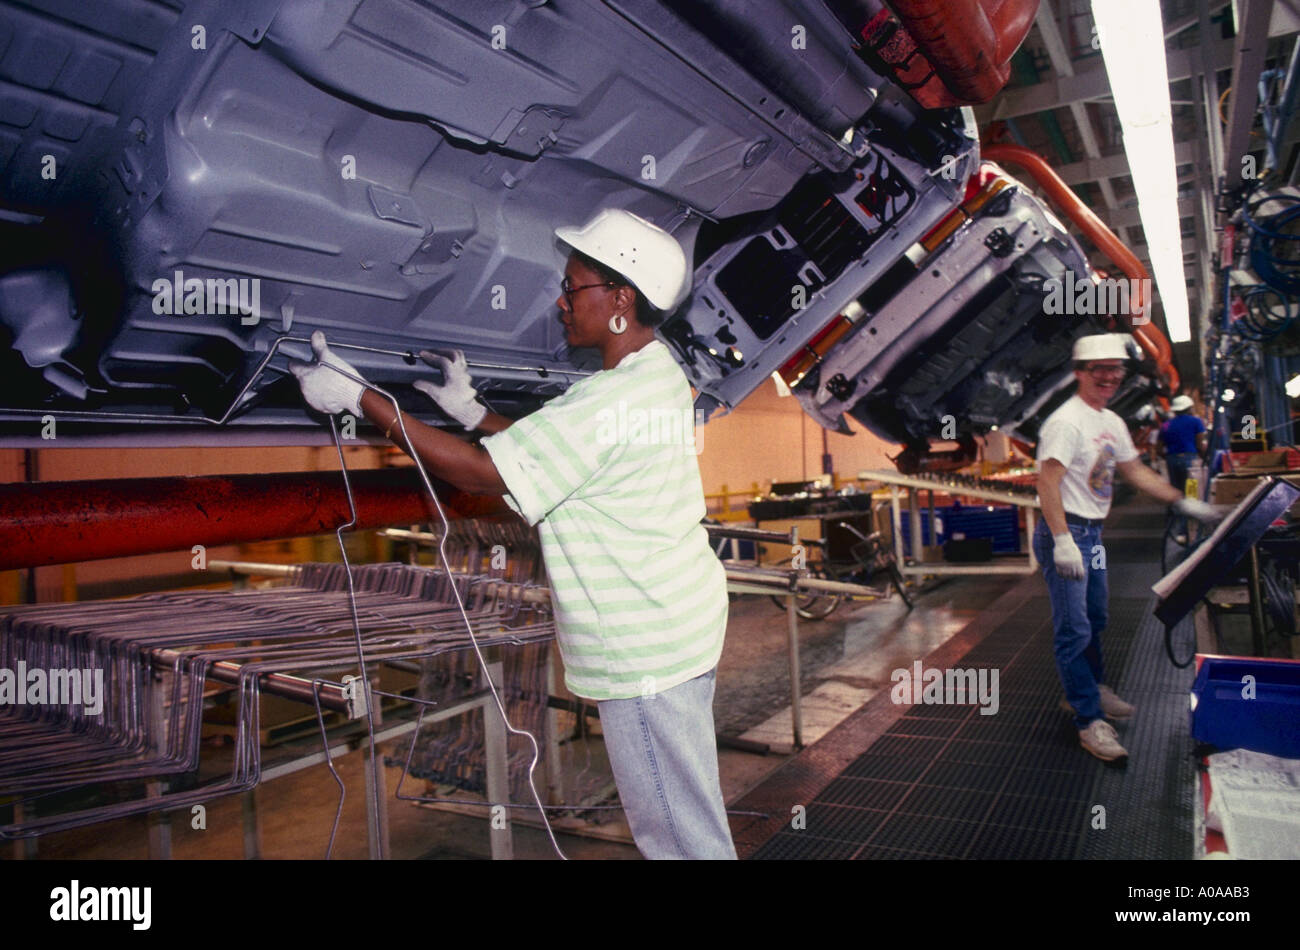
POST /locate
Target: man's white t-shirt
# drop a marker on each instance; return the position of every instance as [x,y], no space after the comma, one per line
[1089,443]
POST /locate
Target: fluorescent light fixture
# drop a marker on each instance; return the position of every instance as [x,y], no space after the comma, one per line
[1133,46]
[1293,386]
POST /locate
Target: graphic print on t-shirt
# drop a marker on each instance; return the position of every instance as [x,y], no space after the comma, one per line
[1102,477]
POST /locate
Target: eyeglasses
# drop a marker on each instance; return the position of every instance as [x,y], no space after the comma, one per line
[1107,372]
[566,285]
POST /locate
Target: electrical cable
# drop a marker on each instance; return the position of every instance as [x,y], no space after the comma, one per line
[1261,321]
[1279,272]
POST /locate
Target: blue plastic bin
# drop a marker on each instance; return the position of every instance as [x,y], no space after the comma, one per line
[999,523]
[1223,716]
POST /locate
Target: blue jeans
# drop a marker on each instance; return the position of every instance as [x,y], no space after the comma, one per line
[664,754]
[1078,618]
[1180,465]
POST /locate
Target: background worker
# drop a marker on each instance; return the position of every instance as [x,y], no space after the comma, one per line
[1184,440]
[640,599]
[1079,447]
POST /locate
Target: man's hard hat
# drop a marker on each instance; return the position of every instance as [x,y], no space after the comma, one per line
[644,253]
[1181,403]
[1101,346]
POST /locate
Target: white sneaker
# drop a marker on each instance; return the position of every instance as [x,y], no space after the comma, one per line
[1114,707]
[1102,741]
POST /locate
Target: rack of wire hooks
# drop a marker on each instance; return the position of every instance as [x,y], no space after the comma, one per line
[157,654]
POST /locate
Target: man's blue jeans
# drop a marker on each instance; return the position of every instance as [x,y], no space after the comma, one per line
[1079,613]
[664,754]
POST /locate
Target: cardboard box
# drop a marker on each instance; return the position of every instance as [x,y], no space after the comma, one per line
[1265,460]
[1279,460]
[1231,489]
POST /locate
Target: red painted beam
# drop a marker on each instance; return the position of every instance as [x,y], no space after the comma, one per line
[968,42]
[64,522]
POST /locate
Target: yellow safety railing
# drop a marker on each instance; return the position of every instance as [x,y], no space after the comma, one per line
[728,505]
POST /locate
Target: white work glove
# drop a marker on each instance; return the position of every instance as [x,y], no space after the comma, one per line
[1068,557]
[456,396]
[1195,508]
[325,390]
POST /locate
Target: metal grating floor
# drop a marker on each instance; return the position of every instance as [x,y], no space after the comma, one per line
[947,782]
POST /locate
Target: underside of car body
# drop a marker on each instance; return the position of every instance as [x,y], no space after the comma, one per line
[188,190]
[964,339]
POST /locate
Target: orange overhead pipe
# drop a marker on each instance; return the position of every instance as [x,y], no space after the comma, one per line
[1148,335]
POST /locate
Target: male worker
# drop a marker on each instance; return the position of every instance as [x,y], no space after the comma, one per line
[640,598]
[1080,446]
[1184,441]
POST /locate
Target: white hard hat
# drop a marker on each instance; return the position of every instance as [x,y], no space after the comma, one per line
[645,254]
[1181,403]
[1101,346]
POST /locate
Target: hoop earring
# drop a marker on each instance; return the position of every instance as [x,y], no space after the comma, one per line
[618,323]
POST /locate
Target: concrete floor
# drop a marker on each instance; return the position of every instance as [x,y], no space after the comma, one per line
[845,660]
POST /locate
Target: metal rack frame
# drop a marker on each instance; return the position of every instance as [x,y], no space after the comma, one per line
[914,485]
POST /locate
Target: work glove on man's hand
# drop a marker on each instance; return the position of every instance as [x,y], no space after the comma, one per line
[456,396]
[324,389]
[1068,557]
[1195,508]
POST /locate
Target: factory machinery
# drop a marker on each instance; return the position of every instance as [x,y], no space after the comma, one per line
[1252,349]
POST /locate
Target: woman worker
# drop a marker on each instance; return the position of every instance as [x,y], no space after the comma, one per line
[639,598]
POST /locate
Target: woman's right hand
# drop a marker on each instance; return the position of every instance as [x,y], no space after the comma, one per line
[457,396]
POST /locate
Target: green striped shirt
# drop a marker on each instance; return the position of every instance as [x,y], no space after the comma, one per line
[609,470]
